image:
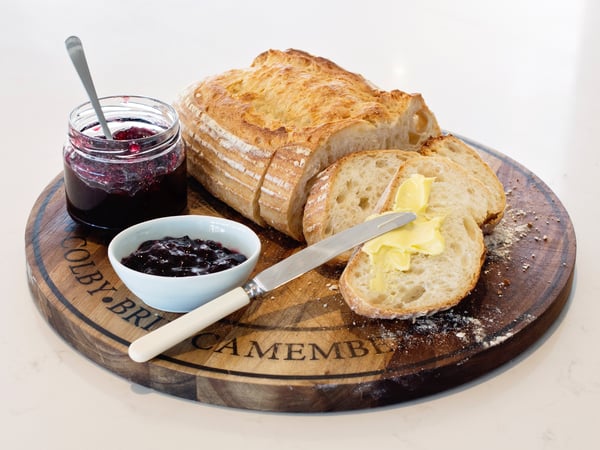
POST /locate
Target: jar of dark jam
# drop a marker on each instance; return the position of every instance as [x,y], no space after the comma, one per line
[136,175]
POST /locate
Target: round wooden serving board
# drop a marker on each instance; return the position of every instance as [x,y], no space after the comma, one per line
[300,348]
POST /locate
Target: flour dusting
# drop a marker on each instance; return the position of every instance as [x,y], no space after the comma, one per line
[499,242]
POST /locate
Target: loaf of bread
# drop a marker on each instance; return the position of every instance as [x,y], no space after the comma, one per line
[256,137]
[346,193]
[433,282]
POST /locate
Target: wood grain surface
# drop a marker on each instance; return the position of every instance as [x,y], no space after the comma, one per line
[300,348]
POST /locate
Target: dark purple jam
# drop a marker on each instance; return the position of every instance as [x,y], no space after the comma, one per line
[182,257]
[116,194]
[132,133]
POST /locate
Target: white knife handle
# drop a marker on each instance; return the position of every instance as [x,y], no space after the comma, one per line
[165,337]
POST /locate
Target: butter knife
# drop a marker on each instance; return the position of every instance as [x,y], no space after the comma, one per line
[311,257]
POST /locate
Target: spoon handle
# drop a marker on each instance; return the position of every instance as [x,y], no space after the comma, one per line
[75,49]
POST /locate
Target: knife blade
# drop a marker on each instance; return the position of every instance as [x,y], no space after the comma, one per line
[311,257]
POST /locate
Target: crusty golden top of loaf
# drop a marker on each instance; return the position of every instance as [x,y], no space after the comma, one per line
[292,93]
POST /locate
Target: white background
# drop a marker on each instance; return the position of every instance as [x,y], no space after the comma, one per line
[518,76]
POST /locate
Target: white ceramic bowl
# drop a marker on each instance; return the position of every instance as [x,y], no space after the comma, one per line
[182,294]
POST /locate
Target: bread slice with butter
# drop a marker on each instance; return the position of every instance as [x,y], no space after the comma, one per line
[256,137]
[346,193]
[459,188]
[422,270]
[467,157]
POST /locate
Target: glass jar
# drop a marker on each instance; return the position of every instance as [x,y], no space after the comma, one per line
[138,174]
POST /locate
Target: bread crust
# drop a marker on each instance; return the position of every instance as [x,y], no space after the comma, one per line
[256,137]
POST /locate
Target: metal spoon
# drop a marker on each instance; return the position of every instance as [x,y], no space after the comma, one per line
[75,49]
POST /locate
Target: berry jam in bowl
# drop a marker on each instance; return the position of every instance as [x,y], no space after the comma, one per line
[138,174]
[178,263]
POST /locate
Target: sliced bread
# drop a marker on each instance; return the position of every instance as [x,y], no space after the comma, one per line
[454,187]
[433,282]
[347,192]
[466,156]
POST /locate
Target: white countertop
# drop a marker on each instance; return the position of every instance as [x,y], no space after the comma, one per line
[520,77]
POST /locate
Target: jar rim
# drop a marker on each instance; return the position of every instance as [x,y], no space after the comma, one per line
[149,103]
